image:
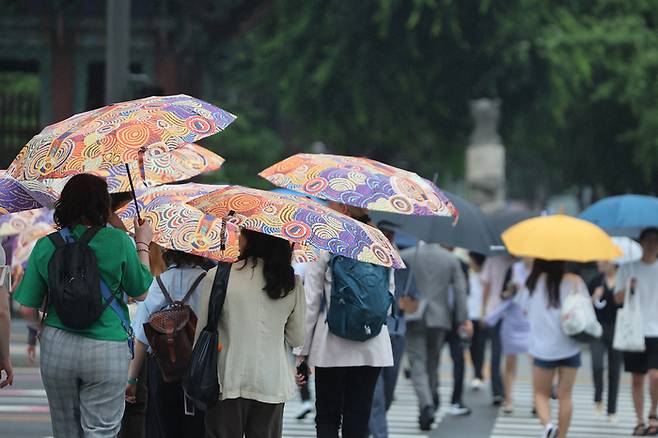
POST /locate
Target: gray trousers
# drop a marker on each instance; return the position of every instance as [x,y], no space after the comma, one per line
[85,380]
[424,351]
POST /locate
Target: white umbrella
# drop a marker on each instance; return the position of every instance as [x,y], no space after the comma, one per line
[631,249]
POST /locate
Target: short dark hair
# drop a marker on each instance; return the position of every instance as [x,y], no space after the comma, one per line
[647,231]
[172,257]
[84,200]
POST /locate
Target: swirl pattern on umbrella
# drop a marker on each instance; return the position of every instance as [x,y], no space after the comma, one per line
[16,196]
[179,226]
[17,223]
[115,134]
[301,221]
[360,182]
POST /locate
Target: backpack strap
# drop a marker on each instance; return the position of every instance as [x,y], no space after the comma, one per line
[193,287]
[113,303]
[57,239]
[218,295]
[88,235]
[164,290]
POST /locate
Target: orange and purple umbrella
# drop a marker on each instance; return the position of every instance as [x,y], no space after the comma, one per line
[117,134]
[360,182]
[181,227]
[301,221]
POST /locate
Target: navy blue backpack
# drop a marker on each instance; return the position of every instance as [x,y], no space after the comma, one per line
[360,299]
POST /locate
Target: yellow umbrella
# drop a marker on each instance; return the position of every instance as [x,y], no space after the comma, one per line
[560,237]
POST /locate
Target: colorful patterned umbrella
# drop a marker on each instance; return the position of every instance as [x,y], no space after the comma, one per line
[16,196]
[156,168]
[117,134]
[179,226]
[12,224]
[301,221]
[360,182]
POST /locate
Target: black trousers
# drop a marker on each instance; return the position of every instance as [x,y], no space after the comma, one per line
[478,344]
[244,418]
[165,413]
[134,417]
[344,395]
[600,348]
[457,355]
[496,354]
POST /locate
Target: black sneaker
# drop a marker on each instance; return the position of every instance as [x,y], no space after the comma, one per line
[498,400]
[426,418]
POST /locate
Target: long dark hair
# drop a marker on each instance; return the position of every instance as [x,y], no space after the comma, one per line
[277,256]
[554,271]
[84,200]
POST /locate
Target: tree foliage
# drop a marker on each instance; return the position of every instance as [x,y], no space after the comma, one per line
[392,79]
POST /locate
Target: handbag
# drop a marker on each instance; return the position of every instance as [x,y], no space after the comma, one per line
[201,381]
[578,319]
[629,326]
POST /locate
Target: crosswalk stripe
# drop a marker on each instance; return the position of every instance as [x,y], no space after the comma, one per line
[584,423]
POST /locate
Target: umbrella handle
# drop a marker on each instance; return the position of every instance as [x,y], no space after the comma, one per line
[132,191]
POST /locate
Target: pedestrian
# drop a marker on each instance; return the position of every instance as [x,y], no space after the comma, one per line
[514,327]
[493,280]
[84,369]
[602,289]
[346,371]
[306,406]
[474,304]
[641,279]
[458,342]
[437,271]
[6,370]
[264,311]
[406,298]
[547,287]
[165,412]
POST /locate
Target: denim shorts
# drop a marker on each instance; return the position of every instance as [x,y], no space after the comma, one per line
[569,362]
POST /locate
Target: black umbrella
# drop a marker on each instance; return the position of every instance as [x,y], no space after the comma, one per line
[473,230]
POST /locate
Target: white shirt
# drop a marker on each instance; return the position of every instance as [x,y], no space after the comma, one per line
[646,288]
[520,273]
[177,281]
[547,340]
[474,302]
[323,348]
[493,272]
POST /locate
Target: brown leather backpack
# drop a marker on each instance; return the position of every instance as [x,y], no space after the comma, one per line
[170,333]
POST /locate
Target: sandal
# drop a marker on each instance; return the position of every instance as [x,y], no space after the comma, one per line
[652,430]
[639,430]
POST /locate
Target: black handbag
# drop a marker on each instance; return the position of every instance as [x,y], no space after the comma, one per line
[200,381]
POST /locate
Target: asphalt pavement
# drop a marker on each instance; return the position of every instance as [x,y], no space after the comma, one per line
[24,407]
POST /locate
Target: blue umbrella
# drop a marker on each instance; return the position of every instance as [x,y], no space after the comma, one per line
[625,215]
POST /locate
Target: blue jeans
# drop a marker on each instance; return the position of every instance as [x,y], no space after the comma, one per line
[385,389]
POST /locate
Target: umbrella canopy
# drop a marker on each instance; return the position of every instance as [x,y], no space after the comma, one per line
[117,134]
[156,168]
[500,222]
[17,196]
[360,182]
[177,225]
[299,220]
[17,223]
[624,215]
[472,232]
[560,237]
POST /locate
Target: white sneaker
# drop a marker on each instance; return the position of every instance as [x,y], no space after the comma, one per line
[305,409]
[598,410]
[457,409]
[612,418]
[476,384]
[550,431]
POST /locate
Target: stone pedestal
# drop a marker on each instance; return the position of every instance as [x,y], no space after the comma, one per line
[485,158]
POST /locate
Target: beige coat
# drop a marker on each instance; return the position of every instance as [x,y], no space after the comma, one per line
[255,332]
[325,349]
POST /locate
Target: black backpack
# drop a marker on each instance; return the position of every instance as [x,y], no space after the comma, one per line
[74,280]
